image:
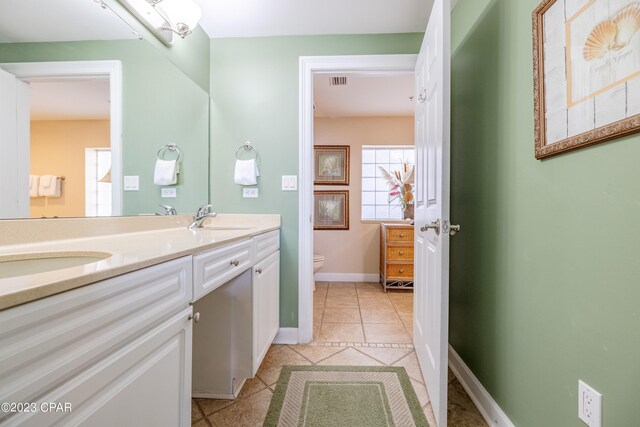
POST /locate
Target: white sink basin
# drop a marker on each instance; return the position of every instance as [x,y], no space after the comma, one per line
[40,262]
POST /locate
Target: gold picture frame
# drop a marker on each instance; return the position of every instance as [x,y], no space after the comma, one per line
[586,81]
[331,210]
[331,164]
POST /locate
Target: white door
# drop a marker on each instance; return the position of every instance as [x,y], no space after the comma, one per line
[431,300]
[14,147]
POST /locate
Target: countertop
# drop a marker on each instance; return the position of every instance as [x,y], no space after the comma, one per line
[130,251]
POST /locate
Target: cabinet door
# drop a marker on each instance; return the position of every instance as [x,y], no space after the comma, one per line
[147,382]
[266,306]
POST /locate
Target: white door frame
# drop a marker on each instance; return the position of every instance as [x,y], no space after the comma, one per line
[310,65]
[34,71]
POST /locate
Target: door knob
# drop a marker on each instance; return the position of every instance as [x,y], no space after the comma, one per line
[435,226]
[453,229]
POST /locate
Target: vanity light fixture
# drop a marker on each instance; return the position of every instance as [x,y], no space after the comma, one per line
[165,18]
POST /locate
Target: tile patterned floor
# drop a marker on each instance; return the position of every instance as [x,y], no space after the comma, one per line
[354,324]
[348,312]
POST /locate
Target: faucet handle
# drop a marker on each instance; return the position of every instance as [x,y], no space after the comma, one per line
[168,210]
[203,210]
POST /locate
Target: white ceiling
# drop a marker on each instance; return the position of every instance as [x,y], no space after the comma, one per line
[364,96]
[71,20]
[59,20]
[258,18]
[86,99]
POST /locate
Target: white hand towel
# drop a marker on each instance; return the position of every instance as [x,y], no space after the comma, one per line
[166,172]
[49,186]
[34,182]
[246,172]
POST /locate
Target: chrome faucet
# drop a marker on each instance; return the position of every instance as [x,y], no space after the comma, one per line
[168,210]
[201,215]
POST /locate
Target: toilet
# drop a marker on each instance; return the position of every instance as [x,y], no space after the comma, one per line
[318,262]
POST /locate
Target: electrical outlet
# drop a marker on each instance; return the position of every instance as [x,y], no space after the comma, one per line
[589,405]
[168,192]
[250,192]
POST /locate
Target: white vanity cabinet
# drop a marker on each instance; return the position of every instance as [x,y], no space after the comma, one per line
[117,351]
[266,306]
[239,318]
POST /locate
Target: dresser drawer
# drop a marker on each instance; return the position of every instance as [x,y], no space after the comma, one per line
[400,234]
[400,253]
[400,271]
[265,244]
[216,267]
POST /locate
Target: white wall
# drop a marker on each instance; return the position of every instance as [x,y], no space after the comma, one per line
[356,251]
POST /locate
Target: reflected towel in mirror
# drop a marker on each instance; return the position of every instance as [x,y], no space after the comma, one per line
[166,172]
[49,186]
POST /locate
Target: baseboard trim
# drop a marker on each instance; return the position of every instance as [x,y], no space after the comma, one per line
[492,413]
[347,277]
[286,336]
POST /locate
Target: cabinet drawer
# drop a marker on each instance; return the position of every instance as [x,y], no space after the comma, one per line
[265,244]
[400,271]
[400,253]
[399,234]
[46,341]
[216,267]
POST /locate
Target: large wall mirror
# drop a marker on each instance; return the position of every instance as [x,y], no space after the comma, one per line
[87,101]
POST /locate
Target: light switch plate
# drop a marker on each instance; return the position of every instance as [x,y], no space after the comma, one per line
[250,192]
[131,183]
[289,182]
[168,192]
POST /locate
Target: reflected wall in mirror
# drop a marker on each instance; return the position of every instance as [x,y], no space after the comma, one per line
[72,131]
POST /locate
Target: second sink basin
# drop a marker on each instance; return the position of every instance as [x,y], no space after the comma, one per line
[40,262]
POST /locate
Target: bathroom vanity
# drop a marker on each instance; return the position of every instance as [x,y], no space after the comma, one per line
[119,350]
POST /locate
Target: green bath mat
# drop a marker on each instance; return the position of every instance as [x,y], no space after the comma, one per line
[351,396]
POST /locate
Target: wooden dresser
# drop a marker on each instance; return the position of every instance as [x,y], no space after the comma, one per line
[396,256]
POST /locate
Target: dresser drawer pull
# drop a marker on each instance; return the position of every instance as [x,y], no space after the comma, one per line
[235,263]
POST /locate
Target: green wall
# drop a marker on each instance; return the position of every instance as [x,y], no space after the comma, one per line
[161,105]
[545,275]
[254,91]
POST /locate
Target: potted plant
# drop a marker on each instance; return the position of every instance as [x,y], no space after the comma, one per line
[401,187]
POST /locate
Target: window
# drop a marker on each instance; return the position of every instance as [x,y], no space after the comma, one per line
[97,182]
[375,191]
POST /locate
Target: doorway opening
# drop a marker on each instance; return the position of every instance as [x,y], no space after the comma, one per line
[364,177]
[67,109]
[69,140]
[310,69]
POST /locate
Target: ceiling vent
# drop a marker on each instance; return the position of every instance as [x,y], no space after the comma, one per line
[339,81]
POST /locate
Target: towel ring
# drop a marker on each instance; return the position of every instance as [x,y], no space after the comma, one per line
[170,147]
[247,146]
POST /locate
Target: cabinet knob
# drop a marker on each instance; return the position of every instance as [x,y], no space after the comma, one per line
[235,263]
[195,317]
[402,234]
[401,271]
[259,270]
[401,252]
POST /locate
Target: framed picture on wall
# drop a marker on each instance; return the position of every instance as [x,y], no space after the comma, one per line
[586,73]
[331,164]
[331,210]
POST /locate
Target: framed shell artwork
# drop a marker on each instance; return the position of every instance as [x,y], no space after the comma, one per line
[586,73]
